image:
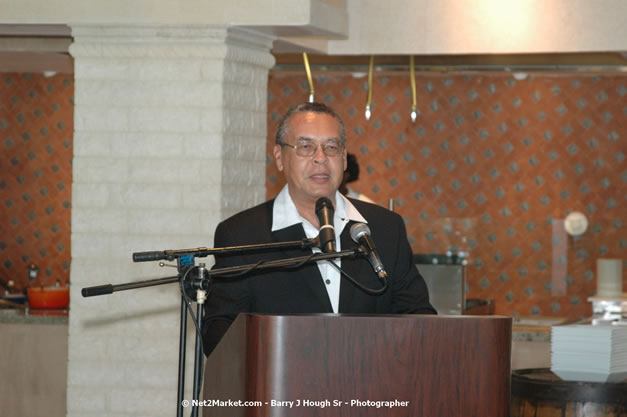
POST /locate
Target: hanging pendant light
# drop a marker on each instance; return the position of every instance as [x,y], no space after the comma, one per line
[413,88]
[369,100]
[309,78]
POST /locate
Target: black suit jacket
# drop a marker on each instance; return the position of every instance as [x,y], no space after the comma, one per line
[302,290]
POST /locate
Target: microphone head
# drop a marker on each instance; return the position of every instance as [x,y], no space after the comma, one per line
[358,230]
[322,203]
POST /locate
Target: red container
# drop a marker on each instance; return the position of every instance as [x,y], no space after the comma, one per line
[49,297]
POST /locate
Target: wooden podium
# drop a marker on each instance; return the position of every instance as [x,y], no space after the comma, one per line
[348,365]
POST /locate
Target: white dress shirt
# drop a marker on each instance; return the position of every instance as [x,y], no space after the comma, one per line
[285,214]
[357,195]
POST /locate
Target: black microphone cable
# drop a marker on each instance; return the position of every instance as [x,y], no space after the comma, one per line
[365,289]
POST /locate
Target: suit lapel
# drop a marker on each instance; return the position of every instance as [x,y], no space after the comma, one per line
[358,268]
[309,276]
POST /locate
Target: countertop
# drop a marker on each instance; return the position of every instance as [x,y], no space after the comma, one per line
[534,329]
[22,316]
[531,334]
[521,330]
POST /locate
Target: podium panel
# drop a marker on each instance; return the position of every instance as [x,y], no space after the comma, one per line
[347,365]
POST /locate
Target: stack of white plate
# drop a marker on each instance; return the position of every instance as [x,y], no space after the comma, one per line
[589,353]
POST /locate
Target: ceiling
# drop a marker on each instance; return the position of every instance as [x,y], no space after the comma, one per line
[44,48]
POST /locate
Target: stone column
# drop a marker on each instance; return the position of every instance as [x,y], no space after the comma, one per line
[170,134]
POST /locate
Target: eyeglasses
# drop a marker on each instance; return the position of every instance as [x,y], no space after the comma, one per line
[309,148]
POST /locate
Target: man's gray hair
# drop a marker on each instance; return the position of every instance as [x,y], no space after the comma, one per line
[304,108]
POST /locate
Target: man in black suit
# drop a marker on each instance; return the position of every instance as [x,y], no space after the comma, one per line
[310,151]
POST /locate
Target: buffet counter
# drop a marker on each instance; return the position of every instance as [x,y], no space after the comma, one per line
[531,341]
[34,364]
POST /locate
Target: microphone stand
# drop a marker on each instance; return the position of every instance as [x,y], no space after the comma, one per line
[196,288]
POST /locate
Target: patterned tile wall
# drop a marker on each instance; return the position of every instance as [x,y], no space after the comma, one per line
[36,125]
[491,167]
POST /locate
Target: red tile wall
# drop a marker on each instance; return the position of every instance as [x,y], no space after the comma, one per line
[36,125]
[491,167]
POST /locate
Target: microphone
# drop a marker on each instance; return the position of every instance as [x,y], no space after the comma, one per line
[326,236]
[360,233]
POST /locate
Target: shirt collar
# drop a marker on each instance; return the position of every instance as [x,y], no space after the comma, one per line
[285,214]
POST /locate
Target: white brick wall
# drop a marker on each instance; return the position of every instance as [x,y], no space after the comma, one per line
[170,133]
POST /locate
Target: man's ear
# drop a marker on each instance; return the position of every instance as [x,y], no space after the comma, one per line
[277,157]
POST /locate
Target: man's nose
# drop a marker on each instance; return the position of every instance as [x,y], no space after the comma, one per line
[319,155]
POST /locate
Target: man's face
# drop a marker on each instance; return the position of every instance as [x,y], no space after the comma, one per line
[319,175]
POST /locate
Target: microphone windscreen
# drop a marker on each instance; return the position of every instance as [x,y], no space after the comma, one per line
[326,236]
[358,230]
[322,203]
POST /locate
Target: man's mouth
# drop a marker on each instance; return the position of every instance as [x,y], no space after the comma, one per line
[320,177]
